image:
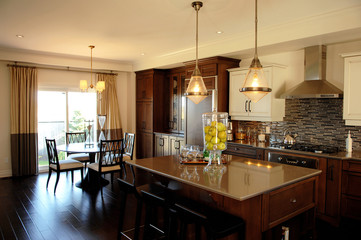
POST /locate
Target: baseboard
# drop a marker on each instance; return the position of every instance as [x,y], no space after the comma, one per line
[5,173]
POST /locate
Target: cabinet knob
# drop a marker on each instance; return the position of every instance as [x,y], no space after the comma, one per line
[293,200]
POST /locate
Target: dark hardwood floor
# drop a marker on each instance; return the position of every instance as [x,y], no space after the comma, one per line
[29,211]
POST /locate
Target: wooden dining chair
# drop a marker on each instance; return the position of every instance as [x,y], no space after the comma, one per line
[110,159]
[77,137]
[128,145]
[60,166]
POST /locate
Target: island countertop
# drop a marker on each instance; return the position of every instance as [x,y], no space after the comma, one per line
[240,178]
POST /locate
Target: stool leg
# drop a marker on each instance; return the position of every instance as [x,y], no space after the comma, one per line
[148,212]
[198,231]
[183,231]
[122,214]
[137,219]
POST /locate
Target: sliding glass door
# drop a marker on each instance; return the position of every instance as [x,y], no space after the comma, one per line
[60,112]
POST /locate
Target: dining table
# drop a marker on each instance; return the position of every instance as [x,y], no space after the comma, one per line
[90,181]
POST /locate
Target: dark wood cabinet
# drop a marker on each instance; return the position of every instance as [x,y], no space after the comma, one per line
[177,100]
[329,190]
[151,115]
[351,194]
[244,151]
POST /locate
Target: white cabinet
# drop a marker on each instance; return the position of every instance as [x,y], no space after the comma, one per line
[352,87]
[269,108]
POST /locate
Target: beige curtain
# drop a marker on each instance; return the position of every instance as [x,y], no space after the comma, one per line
[24,120]
[108,105]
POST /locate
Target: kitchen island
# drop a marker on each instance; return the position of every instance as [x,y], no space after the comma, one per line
[264,194]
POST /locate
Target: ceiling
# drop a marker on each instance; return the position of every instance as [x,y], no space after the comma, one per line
[161,33]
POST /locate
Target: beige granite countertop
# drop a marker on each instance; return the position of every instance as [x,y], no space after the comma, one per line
[240,179]
[355,155]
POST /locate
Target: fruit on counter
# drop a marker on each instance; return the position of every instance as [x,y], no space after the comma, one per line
[215,140]
[222,134]
[221,146]
[208,137]
[221,127]
[223,139]
[206,129]
[209,146]
[212,131]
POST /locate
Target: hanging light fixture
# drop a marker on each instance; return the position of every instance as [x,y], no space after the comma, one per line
[100,86]
[196,90]
[255,85]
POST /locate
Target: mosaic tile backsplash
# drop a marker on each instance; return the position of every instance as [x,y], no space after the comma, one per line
[316,121]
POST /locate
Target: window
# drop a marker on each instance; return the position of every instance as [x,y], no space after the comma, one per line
[59,112]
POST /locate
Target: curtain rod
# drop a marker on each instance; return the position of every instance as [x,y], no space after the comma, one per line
[52,67]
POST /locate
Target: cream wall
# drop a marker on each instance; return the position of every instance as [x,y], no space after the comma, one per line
[63,80]
[5,156]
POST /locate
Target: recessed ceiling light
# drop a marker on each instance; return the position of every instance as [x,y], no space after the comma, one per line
[20,36]
[219,32]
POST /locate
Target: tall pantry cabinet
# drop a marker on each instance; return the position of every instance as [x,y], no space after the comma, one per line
[151,116]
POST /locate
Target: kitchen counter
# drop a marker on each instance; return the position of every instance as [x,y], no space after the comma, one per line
[355,155]
[240,179]
[264,194]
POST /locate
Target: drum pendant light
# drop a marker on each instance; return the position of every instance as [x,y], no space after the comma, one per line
[196,90]
[255,86]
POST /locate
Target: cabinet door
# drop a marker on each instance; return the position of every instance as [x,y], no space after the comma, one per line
[174,101]
[238,102]
[175,144]
[333,188]
[144,86]
[144,145]
[144,119]
[161,145]
[352,86]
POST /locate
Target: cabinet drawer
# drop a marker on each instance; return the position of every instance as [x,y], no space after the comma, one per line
[353,166]
[241,151]
[287,202]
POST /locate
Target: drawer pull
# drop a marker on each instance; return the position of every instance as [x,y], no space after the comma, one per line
[293,200]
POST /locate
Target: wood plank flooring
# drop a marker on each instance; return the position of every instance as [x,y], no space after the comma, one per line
[29,211]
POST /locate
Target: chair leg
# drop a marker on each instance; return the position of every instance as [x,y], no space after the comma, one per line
[81,175]
[57,180]
[47,183]
[111,177]
[72,176]
[100,185]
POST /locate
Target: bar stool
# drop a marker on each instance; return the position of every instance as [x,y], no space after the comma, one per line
[154,202]
[143,194]
[217,224]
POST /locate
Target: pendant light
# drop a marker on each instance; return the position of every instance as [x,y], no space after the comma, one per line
[255,86]
[196,90]
[100,86]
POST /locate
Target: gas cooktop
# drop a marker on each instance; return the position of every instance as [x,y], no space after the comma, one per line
[306,147]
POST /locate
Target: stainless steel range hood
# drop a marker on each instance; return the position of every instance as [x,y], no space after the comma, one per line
[315,84]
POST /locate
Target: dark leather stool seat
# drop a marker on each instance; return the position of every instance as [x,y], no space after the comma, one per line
[217,224]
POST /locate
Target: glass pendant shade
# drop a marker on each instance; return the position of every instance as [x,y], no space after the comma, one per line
[196,90]
[255,86]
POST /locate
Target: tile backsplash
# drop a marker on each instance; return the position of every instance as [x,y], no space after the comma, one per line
[316,121]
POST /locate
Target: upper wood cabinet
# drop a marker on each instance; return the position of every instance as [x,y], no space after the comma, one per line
[177,100]
[151,114]
[269,108]
[352,86]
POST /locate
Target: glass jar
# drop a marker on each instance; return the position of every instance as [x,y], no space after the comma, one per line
[215,135]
